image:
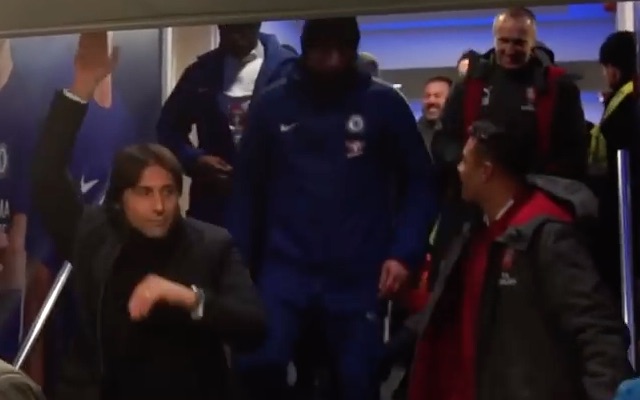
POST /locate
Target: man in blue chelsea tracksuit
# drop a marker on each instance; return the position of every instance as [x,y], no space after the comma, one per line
[214,94]
[316,209]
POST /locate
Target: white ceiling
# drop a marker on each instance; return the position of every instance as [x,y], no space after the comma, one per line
[453,14]
[38,17]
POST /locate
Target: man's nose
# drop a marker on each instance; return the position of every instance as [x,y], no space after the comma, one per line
[158,203]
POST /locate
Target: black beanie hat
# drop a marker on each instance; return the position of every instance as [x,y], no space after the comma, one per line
[619,51]
[344,31]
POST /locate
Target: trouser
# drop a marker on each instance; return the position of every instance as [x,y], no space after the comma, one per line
[353,345]
[312,365]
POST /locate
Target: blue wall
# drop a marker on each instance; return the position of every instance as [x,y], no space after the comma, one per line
[287,31]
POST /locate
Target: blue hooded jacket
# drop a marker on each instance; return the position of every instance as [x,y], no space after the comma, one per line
[316,187]
[198,99]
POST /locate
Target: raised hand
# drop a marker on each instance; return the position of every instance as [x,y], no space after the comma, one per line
[93,63]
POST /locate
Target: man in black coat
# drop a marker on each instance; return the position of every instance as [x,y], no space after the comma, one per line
[157,294]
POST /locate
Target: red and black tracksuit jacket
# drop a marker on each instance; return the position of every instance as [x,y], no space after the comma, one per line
[519,312]
[541,98]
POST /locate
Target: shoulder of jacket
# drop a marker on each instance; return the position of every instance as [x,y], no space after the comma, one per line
[275,85]
[202,63]
[553,232]
[211,234]
[388,88]
[94,218]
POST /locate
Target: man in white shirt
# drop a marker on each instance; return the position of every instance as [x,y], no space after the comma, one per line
[214,94]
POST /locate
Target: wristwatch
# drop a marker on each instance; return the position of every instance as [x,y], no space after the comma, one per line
[198,311]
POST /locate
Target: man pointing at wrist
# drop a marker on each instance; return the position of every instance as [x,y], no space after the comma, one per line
[157,294]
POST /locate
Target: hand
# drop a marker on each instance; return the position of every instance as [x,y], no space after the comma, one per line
[154,289]
[394,274]
[93,63]
[215,162]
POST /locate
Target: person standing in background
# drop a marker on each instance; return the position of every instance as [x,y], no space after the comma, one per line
[511,81]
[214,94]
[619,129]
[18,128]
[435,94]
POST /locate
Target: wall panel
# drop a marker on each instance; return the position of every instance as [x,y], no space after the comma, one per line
[187,43]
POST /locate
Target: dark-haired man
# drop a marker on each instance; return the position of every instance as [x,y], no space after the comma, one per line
[215,94]
[519,310]
[436,91]
[314,207]
[157,294]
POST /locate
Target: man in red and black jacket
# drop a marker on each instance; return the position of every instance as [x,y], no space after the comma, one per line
[519,311]
[518,80]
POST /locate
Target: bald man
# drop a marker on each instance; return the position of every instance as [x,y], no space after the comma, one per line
[513,81]
[509,82]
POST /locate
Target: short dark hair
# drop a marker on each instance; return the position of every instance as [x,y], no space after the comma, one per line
[439,78]
[130,162]
[506,146]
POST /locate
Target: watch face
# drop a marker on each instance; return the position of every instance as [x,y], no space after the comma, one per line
[198,311]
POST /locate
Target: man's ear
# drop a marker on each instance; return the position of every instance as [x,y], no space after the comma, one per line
[487,170]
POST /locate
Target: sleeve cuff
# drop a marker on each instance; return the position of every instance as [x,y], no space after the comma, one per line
[72,96]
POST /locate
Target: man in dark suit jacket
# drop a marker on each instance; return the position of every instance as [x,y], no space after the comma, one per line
[157,294]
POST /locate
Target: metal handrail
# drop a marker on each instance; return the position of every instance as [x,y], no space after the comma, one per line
[626,248]
[43,315]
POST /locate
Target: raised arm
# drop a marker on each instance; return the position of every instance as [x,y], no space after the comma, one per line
[54,194]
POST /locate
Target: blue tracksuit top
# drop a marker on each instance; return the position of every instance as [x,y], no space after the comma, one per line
[332,190]
[198,99]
